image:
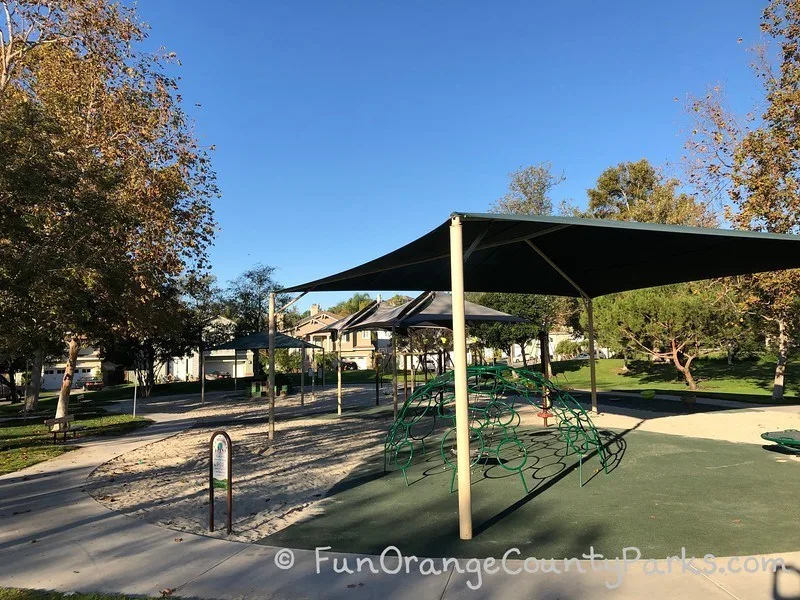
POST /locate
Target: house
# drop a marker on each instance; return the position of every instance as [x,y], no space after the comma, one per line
[88,365]
[358,346]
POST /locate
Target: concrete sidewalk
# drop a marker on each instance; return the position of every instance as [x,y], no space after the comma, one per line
[53,535]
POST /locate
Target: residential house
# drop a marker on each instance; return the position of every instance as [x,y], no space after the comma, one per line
[358,346]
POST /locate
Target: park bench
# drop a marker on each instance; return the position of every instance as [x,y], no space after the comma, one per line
[63,425]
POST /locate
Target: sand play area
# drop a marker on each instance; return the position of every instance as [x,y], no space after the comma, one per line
[278,484]
[275,484]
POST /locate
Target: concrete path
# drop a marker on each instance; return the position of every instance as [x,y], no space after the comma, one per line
[55,536]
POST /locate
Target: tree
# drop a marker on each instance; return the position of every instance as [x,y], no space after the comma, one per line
[529,191]
[352,305]
[204,302]
[678,323]
[164,329]
[247,299]
[104,189]
[635,191]
[754,163]
[541,312]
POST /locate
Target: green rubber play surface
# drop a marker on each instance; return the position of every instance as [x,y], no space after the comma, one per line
[663,493]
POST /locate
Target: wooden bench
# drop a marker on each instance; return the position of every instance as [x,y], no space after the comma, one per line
[63,425]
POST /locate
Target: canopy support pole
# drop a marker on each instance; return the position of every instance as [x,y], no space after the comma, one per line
[339,373]
[235,373]
[394,371]
[313,374]
[302,376]
[592,370]
[587,300]
[271,379]
[460,372]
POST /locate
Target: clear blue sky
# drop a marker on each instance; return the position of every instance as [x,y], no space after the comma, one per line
[328,116]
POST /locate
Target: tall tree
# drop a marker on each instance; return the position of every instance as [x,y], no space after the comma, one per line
[352,305]
[754,163]
[247,299]
[679,323]
[125,207]
[636,191]
[529,193]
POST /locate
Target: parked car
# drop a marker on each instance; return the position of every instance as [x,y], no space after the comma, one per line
[349,365]
[218,375]
[93,384]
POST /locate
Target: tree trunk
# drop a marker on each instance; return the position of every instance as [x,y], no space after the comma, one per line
[35,386]
[544,348]
[730,355]
[524,357]
[685,369]
[780,368]
[69,375]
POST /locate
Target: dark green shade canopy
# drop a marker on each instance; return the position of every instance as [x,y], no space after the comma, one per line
[599,256]
[260,341]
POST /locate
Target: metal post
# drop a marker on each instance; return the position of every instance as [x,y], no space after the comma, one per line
[394,371]
[135,387]
[271,379]
[302,376]
[460,373]
[377,374]
[339,374]
[314,374]
[202,374]
[405,378]
[323,367]
[235,372]
[592,373]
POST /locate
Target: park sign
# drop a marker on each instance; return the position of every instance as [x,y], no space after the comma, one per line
[220,473]
[220,453]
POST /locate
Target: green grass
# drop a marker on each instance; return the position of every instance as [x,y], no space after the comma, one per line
[18,594]
[666,492]
[744,381]
[23,444]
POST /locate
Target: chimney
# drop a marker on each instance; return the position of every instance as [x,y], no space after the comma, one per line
[314,309]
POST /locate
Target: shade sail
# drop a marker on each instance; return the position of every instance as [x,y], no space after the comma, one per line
[260,341]
[506,253]
[429,309]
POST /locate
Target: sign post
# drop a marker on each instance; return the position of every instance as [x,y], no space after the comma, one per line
[220,473]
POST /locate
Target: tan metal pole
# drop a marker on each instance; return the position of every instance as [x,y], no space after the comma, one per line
[339,374]
[394,370]
[592,371]
[271,379]
[460,373]
[302,376]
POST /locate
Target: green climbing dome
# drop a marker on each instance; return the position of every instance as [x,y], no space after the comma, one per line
[495,395]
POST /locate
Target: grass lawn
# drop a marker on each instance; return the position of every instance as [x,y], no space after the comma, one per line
[749,381]
[18,594]
[664,493]
[745,381]
[23,443]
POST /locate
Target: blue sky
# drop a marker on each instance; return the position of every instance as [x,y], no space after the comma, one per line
[327,116]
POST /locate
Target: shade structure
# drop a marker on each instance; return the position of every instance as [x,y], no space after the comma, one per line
[429,309]
[260,341]
[558,256]
[506,253]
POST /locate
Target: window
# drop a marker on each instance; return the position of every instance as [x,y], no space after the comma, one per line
[60,371]
[346,337]
[365,335]
[49,372]
[86,370]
